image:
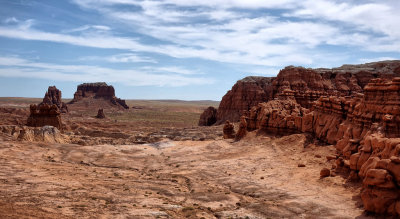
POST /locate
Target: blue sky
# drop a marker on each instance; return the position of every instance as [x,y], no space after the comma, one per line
[182,49]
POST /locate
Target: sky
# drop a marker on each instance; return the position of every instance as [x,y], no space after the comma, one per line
[183,49]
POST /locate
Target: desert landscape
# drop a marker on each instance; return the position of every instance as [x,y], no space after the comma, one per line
[212,109]
[309,143]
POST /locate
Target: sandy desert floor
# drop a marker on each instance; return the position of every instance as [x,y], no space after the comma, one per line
[257,177]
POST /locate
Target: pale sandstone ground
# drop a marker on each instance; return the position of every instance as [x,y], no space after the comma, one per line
[257,177]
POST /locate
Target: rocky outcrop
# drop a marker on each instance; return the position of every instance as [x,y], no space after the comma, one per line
[98,90]
[365,129]
[100,114]
[276,116]
[45,115]
[48,134]
[208,117]
[245,94]
[242,129]
[307,85]
[228,130]
[53,96]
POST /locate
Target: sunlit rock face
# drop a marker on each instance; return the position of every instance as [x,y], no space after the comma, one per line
[307,85]
[44,115]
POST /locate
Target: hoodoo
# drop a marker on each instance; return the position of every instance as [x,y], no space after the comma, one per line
[53,96]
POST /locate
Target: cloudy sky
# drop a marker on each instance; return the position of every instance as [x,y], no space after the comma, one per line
[183,49]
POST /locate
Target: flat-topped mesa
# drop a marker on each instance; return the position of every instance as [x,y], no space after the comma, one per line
[307,85]
[53,96]
[44,115]
[98,90]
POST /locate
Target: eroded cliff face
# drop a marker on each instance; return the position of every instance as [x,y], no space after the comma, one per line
[98,90]
[307,85]
[53,96]
[44,115]
[364,128]
[244,94]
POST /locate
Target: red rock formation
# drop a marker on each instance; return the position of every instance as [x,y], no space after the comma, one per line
[245,94]
[100,114]
[364,128]
[98,90]
[242,129]
[325,172]
[208,117]
[53,96]
[276,116]
[307,86]
[44,115]
[229,130]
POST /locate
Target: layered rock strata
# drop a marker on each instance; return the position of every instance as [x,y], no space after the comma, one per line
[98,90]
[364,128]
[208,117]
[48,134]
[44,115]
[307,86]
[53,96]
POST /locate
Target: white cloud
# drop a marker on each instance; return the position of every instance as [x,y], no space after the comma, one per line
[17,67]
[120,58]
[249,4]
[259,37]
[251,53]
[11,20]
[376,59]
[378,16]
[88,27]
[171,69]
[220,31]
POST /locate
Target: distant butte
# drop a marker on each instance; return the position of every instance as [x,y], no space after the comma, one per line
[98,91]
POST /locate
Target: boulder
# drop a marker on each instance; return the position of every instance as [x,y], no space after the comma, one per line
[325,172]
[208,117]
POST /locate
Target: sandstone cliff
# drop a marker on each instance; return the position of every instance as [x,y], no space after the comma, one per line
[307,86]
[45,115]
[98,90]
[244,94]
[365,129]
